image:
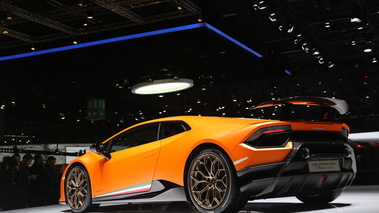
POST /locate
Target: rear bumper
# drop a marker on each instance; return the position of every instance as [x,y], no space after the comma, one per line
[292,176]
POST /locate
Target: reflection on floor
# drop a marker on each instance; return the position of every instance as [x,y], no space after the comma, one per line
[354,199]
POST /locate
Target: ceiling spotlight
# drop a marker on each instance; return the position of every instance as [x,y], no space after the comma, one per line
[353,43]
[305,47]
[330,64]
[89,15]
[272,17]
[80,3]
[374,60]
[9,17]
[367,50]
[162,86]
[297,40]
[261,5]
[327,24]
[321,61]
[315,51]
[290,29]
[355,20]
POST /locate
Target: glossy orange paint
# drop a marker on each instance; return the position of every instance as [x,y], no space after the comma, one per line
[166,159]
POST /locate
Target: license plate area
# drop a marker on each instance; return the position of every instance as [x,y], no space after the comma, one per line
[324,166]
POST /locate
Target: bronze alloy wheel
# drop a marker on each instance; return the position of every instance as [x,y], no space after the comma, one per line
[209,182]
[78,189]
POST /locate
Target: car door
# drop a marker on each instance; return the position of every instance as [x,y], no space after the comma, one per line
[133,159]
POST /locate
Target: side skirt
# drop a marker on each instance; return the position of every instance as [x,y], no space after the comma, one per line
[161,191]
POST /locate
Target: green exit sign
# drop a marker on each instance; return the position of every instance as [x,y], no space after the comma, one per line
[96,109]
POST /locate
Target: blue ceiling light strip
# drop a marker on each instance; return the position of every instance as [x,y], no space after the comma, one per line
[232,40]
[129,37]
[105,41]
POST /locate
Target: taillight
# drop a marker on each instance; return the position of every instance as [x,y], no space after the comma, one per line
[268,130]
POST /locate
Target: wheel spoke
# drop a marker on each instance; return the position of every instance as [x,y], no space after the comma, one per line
[77,188]
[208,181]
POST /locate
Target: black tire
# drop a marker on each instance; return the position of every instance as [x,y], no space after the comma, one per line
[78,189]
[211,183]
[322,198]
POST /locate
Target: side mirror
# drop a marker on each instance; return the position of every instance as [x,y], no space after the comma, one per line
[100,148]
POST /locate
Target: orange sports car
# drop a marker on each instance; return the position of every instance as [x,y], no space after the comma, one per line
[216,163]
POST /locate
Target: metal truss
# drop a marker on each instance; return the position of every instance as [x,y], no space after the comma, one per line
[37,18]
[116,8]
[65,14]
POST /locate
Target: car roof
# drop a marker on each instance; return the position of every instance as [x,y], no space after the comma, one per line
[210,120]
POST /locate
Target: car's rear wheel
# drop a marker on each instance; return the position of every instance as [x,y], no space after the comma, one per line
[322,198]
[211,183]
[78,189]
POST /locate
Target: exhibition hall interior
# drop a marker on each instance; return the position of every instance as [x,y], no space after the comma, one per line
[71,71]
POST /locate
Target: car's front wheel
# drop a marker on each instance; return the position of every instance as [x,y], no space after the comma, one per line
[78,189]
[212,184]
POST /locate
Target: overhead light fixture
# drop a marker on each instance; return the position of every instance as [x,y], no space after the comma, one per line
[330,64]
[162,86]
[367,50]
[297,40]
[9,16]
[355,20]
[290,29]
[89,15]
[315,51]
[80,3]
[272,17]
[374,60]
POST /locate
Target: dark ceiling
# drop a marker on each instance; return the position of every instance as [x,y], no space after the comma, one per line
[325,45]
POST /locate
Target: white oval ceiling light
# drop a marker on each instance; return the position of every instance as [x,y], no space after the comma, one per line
[162,86]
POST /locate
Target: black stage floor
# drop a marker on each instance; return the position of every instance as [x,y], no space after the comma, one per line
[361,199]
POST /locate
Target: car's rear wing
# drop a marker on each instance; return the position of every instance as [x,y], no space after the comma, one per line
[340,105]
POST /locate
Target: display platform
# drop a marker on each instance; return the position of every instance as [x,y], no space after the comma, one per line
[354,199]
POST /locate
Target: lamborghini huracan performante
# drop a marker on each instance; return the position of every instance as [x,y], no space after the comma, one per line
[217,164]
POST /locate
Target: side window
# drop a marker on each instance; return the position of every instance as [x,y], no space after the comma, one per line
[172,128]
[134,137]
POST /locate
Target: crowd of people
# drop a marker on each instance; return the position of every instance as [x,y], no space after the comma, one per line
[24,184]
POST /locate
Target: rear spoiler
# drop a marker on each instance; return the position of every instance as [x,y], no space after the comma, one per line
[340,105]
